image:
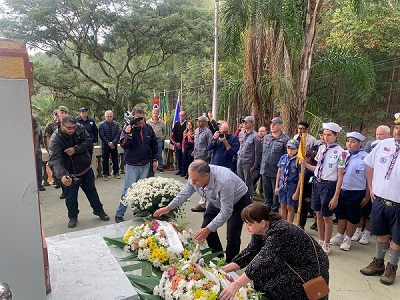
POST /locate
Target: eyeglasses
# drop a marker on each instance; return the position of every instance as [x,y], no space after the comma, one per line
[70,127]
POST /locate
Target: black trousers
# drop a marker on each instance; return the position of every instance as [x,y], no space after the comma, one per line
[234,228]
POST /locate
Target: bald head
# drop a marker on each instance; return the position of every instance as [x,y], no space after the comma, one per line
[225,127]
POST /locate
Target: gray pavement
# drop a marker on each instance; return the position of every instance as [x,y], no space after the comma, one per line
[346,282]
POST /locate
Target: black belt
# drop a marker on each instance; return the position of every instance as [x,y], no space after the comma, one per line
[387,202]
[325,181]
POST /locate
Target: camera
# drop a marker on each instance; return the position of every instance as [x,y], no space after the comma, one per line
[132,120]
[76,180]
[222,134]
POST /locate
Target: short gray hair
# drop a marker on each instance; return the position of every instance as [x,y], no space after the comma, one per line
[200,166]
[385,128]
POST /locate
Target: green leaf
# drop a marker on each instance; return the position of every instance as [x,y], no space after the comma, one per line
[132,257]
[145,266]
[149,297]
[145,284]
[143,213]
[116,242]
[209,257]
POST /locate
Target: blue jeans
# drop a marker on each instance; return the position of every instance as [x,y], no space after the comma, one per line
[87,185]
[132,175]
[160,144]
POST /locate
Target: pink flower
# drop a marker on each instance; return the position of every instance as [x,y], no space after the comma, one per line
[154,225]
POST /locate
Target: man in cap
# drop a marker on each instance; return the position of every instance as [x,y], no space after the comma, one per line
[328,178]
[71,164]
[140,154]
[227,195]
[248,158]
[90,126]
[353,193]
[109,136]
[202,137]
[383,178]
[273,147]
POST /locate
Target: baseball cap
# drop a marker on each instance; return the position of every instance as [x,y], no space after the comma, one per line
[202,119]
[83,108]
[249,119]
[292,143]
[397,119]
[277,120]
[63,108]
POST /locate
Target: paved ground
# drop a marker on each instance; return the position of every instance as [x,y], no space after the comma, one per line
[346,282]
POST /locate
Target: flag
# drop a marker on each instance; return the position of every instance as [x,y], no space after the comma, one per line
[163,114]
[156,104]
[176,116]
[301,154]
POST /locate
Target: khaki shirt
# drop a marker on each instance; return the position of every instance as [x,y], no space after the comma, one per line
[158,127]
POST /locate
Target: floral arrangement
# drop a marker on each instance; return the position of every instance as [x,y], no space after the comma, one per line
[162,243]
[147,195]
[187,280]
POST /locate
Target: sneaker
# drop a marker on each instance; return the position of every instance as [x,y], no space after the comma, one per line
[314,226]
[335,241]
[198,208]
[62,196]
[345,245]
[390,274]
[72,222]
[102,215]
[365,238]
[41,188]
[327,249]
[161,171]
[105,177]
[119,219]
[117,176]
[376,267]
[356,236]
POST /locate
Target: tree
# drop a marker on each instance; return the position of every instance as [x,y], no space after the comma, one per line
[105,48]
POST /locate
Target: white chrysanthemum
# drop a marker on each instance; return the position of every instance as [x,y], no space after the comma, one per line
[143,243]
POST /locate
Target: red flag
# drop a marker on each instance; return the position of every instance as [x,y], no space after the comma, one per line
[156,104]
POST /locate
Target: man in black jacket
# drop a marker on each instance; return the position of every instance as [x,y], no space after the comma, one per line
[109,135]
[90,126]
[140,153]
[71,164]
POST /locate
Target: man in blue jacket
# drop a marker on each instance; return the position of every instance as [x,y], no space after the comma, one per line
[140,153]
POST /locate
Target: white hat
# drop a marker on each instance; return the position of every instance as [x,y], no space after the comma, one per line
[332,126]
[356,135]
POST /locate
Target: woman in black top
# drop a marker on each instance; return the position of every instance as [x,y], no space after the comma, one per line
[277,249]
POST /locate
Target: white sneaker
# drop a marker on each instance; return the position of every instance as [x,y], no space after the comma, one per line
[356,236]
[365,238]
[335,241]
[346,245]
[327,249]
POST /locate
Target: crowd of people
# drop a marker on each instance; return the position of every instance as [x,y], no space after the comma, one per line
[358,185]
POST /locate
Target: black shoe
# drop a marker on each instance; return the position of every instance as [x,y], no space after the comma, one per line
[102,215]
[72,222]
[62,196]
[119,219]
[42,188]
[161,171]
[314,226]
[198,208]
[183,175]
[56,186]
[178,173]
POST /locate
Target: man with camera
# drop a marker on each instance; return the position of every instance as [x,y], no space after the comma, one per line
[224,145]
[71,164]
[140,153]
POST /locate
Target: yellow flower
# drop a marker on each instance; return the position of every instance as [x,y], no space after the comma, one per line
[198,294]
[212,296]
[152,244]
[127,236]
[159,254]
[239,295]
[186,254]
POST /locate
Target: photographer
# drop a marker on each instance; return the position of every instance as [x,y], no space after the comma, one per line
[71,164]
[140,153]
[224,146]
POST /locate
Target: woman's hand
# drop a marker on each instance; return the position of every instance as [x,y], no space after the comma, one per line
[230,291]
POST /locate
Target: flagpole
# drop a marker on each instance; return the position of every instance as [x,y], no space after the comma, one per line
[215,89]
[301,155]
